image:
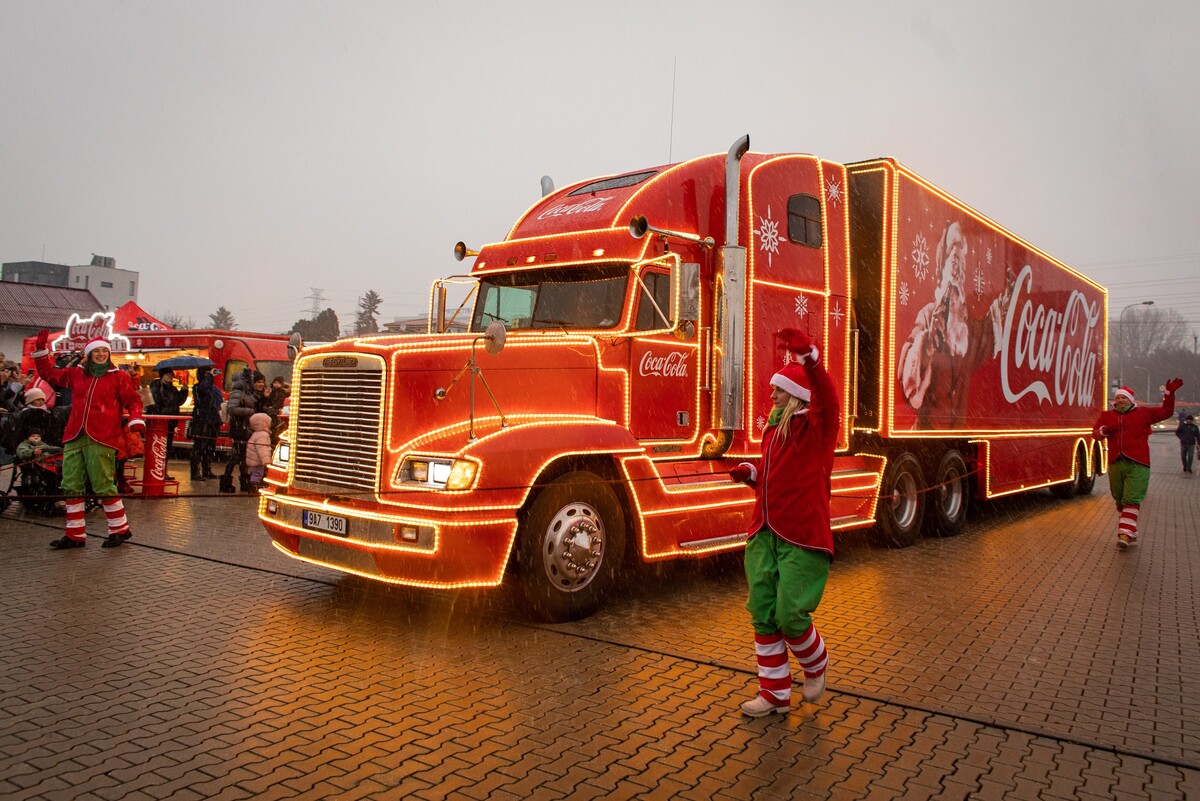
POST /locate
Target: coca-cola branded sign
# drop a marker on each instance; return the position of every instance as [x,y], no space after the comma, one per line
[664,365]
[1057,348]
[80,331]
[156,454]
[583,207]
[990,335]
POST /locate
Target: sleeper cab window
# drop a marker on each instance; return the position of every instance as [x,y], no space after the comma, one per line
[804,220]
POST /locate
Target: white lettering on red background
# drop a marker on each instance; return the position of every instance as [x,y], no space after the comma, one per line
[1057,344]
[592,204]
[671,365]
[79,332]
[158,464]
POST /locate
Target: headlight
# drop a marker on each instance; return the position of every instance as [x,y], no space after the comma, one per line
[283,452]
[453,474]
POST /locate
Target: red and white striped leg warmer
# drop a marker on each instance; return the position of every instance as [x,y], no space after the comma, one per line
[114,510]
[774,673]
[76,524]
[1129,520]
[810,651]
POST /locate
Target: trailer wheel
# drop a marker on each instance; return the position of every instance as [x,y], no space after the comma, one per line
[1085,480]
[949,497]
[571,543]
[901,502]
[1082,482]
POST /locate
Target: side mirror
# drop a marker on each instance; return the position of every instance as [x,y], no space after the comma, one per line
[295,342]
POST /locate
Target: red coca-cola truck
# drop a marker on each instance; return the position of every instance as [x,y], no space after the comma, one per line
[621,340]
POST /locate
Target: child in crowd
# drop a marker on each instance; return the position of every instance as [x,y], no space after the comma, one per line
[258,449]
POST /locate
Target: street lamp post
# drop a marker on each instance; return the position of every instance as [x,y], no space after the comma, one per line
[1121,325]
[1147,372]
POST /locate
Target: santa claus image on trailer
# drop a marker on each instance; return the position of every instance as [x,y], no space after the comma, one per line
[945,346]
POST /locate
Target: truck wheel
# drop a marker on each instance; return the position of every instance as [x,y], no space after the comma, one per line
[571,543]
[901,502]
[949,497]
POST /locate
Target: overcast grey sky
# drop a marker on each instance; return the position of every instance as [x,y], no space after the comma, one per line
[243,153]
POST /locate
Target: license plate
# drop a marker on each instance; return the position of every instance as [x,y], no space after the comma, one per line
[323,522]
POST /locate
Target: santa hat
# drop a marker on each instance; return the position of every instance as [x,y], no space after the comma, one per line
[32,394]
[792,379]
[1127,392]
[96,343]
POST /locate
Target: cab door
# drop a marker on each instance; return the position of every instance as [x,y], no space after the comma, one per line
[663,370]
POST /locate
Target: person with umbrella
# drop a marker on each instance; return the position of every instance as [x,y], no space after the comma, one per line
[206,422]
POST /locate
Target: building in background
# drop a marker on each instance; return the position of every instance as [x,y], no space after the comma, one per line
[111,286]
[27,308]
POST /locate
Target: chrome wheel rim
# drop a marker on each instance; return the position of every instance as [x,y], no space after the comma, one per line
[573,547]
[904,500]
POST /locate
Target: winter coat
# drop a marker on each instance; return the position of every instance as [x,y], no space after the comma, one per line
[243,402]
[167,397]
[26,451]
[792,482]
[1128,432]
[206,410]
[1188,433]
[258,447]
[99,403]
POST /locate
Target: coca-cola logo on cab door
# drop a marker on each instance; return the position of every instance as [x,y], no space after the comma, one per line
[669,365]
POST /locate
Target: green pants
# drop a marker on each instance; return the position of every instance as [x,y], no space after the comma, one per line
[1128,482]
[786,584]
[85,459]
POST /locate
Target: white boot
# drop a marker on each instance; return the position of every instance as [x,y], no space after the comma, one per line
[760,707]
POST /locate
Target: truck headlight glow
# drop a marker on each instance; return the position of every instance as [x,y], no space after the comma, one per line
[283,453]
[452,474]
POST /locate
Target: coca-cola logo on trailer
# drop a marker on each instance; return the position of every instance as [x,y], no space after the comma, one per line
[670,365]
[1056,344]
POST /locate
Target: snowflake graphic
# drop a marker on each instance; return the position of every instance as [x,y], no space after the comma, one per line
[768,233]
[980,284]
[989,255]
[920,257]
[761,422]
[833,192]
[802,305]
[837,314]
[904,294]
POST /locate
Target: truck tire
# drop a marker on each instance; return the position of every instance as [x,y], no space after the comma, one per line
[949,497]
[570,546]
[901,505]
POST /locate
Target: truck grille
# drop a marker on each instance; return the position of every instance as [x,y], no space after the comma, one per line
[337,425]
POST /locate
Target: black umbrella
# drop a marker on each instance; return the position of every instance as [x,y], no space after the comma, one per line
[184,363]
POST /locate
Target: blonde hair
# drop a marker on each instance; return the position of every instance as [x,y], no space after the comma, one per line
[790,408]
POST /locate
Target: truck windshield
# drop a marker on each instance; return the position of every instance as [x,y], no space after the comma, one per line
[591,297]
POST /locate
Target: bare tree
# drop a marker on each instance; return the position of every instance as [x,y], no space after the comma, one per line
[177,321]
[1146,330]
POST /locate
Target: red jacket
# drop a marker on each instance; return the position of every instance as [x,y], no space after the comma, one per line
[792,481]
[1129,432]
[97,404]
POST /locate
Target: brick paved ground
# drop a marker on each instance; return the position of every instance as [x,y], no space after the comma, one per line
[1027,658]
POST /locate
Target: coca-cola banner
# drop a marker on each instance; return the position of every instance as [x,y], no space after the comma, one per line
[989,334]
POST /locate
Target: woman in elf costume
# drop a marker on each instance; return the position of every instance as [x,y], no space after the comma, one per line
[791,543]
[1127,428]
[101,396]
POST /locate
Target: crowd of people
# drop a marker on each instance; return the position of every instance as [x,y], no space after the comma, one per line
[67,454]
